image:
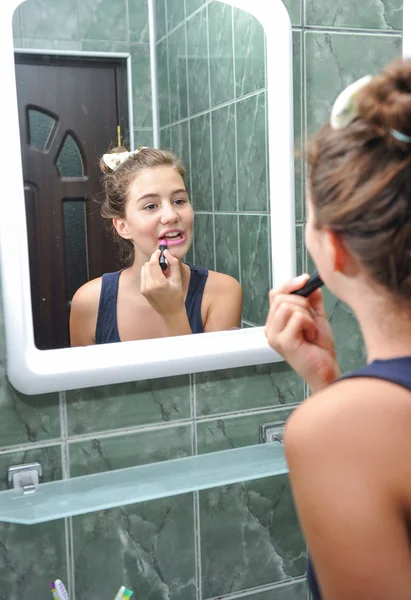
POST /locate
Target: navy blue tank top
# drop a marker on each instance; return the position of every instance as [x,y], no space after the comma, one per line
[107,329]
[396,370]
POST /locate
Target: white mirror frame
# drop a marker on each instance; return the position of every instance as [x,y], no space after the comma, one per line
[34,371]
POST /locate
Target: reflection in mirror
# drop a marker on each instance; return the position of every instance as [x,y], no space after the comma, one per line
[74,104]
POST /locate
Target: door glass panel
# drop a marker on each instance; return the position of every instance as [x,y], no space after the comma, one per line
[41,126]
[75,242]
[69,161]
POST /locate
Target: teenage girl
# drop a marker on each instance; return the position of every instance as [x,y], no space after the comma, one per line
[348,446]
[147,204]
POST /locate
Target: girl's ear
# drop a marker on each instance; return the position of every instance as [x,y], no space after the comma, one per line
[122,228]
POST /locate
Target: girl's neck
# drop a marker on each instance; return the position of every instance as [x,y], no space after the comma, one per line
[385,326]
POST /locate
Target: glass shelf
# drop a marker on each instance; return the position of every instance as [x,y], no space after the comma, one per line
[100,491]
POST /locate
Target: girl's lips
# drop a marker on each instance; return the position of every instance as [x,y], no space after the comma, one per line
[176,242]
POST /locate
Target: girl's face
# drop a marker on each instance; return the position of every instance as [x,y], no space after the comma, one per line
[158,207]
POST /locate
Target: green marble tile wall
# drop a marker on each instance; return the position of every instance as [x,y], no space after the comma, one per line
[236,541]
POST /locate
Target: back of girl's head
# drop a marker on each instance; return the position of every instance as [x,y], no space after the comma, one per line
[117,182]
[360,179]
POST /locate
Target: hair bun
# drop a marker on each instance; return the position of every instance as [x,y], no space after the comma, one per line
[386,101]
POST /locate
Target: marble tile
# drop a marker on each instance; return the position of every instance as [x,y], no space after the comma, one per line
[333,60]
[249,53]
[220,32]
[120,452]
[138,21]
[177,67]
[249,536]
[201,191]
[235,431]
[251,154]
[249,532]
[197,61]
[128,405]
[255,276]
[180,144]
[192,5]
[143,137]
[224,158]
[189,257]
[300,249]
[165,138]
[294,590]
[50,44]
[140,66]
[204,241]
[103,20]
[375,14]
[160,18]
[163,89]
[31,556]
[294,10]
[49,458]
[149,548]
[175,13]
[47,20]
[259,386]
[17,27]
[298,136]
[135,540]
[226,244]
[104,46]
[26,418]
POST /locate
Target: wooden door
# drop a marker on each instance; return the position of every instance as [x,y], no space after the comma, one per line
[69,111]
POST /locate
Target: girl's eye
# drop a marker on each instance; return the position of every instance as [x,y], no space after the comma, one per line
[150,207]
[180,201]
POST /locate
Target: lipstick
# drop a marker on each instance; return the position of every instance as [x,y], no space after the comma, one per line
[312,284]
[162,260]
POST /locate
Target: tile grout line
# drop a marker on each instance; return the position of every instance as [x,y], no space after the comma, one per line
[260,589]
[235,101]
[211,138]
[166,39]
[217,107]
[196,512]
[128,21]
[109,434]
[267,177]
[197,550]
[68,525]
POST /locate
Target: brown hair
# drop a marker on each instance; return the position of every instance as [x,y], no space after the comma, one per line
[360,179]
[116,185]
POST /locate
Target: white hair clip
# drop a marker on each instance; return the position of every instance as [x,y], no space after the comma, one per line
[344,110]
[116,159]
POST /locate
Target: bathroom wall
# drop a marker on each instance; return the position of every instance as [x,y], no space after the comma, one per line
[212,108]
[236,541]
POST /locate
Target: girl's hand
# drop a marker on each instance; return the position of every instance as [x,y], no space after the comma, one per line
[164,292]
[298,329]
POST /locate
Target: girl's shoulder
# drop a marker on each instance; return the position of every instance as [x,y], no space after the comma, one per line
[87,296]
[222,283]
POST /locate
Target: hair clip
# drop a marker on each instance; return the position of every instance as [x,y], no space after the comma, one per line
[402,137]
[344,110]
[114,160]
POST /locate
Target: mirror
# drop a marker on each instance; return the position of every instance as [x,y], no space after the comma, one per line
[199,83]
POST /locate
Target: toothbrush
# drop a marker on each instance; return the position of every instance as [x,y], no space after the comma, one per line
[119,595]
[58,590]
[127,594]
